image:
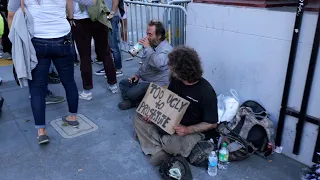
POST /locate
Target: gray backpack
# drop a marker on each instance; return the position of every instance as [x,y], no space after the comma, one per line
[251,131]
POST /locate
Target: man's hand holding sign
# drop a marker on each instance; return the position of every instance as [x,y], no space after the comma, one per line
[164,108]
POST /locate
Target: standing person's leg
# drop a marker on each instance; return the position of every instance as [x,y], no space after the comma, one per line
[114,40]
[98,59]
[83,34]
[100,36]
[63,59]
[124,31]
[38,87]
[6,43]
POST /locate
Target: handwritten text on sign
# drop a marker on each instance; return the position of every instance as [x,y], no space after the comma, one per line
[163,107]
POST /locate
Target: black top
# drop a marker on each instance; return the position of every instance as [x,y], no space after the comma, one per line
[203,102]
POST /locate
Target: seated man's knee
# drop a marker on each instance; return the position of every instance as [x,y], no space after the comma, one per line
[123,82]
[139,123]
[170,144]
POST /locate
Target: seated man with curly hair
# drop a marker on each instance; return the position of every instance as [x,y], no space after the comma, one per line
[199,120]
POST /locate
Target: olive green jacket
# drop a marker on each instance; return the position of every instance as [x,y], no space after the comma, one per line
[99,12]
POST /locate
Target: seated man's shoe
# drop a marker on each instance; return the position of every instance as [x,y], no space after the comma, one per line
[158,158]
[126,104]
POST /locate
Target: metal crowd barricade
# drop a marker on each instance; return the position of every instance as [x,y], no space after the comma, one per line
[140,13]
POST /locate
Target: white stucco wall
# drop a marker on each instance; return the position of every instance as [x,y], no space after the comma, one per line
[247,49]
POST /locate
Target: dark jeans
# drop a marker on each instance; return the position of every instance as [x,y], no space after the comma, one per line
[6,43]
[133,91]
[60,51]
[114,39]
[83,32]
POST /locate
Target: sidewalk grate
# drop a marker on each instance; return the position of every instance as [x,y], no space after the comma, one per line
[5,62]
[86,126]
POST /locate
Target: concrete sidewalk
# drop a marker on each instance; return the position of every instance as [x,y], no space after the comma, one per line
[110,152]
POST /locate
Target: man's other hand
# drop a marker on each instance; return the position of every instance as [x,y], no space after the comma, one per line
[134,79]
[181,130]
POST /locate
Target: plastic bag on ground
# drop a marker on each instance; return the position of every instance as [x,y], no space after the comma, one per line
[228,106]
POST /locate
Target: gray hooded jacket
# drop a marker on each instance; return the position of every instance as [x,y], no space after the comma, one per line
[154,66]
[23,53]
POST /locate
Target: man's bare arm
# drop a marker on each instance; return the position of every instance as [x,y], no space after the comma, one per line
[10,18]
[70,9]
[115,4]
[201,127]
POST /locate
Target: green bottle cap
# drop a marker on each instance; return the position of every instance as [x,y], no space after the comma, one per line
[224,144]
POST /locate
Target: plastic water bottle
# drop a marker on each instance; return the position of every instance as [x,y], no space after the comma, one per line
[223,157]
[212,164]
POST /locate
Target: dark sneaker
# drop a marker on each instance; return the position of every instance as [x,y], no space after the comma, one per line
[158,158]
[43,139]
[71,123]
[54,74]
[100,72]
[97,61]
[119,73]
[126,104]
[53,78]
[7,56]
[53,99]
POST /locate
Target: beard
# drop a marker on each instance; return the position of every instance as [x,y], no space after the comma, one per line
[154,43]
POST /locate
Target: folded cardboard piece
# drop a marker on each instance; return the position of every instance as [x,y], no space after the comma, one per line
[163,107]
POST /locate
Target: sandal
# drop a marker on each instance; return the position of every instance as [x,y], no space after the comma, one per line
[74,124]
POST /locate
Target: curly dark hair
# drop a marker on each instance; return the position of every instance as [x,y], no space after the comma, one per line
[185,63]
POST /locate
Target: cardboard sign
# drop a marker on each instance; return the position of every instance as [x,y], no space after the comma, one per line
[163,107]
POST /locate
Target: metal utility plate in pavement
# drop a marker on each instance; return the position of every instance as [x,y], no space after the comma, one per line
[86,126]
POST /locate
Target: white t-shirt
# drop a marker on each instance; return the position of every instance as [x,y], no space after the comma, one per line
[77,14]
[49,17]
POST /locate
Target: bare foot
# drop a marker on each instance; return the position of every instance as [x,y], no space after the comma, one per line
[42,131]
[71,118]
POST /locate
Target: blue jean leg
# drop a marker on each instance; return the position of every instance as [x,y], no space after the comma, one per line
[63,59]
[60,51]
[114,40]
[38,86]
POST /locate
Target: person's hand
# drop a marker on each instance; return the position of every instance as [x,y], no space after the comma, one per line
[72,22]
[144,42]
[147,119]
[181,130]
[134,79]
[111,15]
